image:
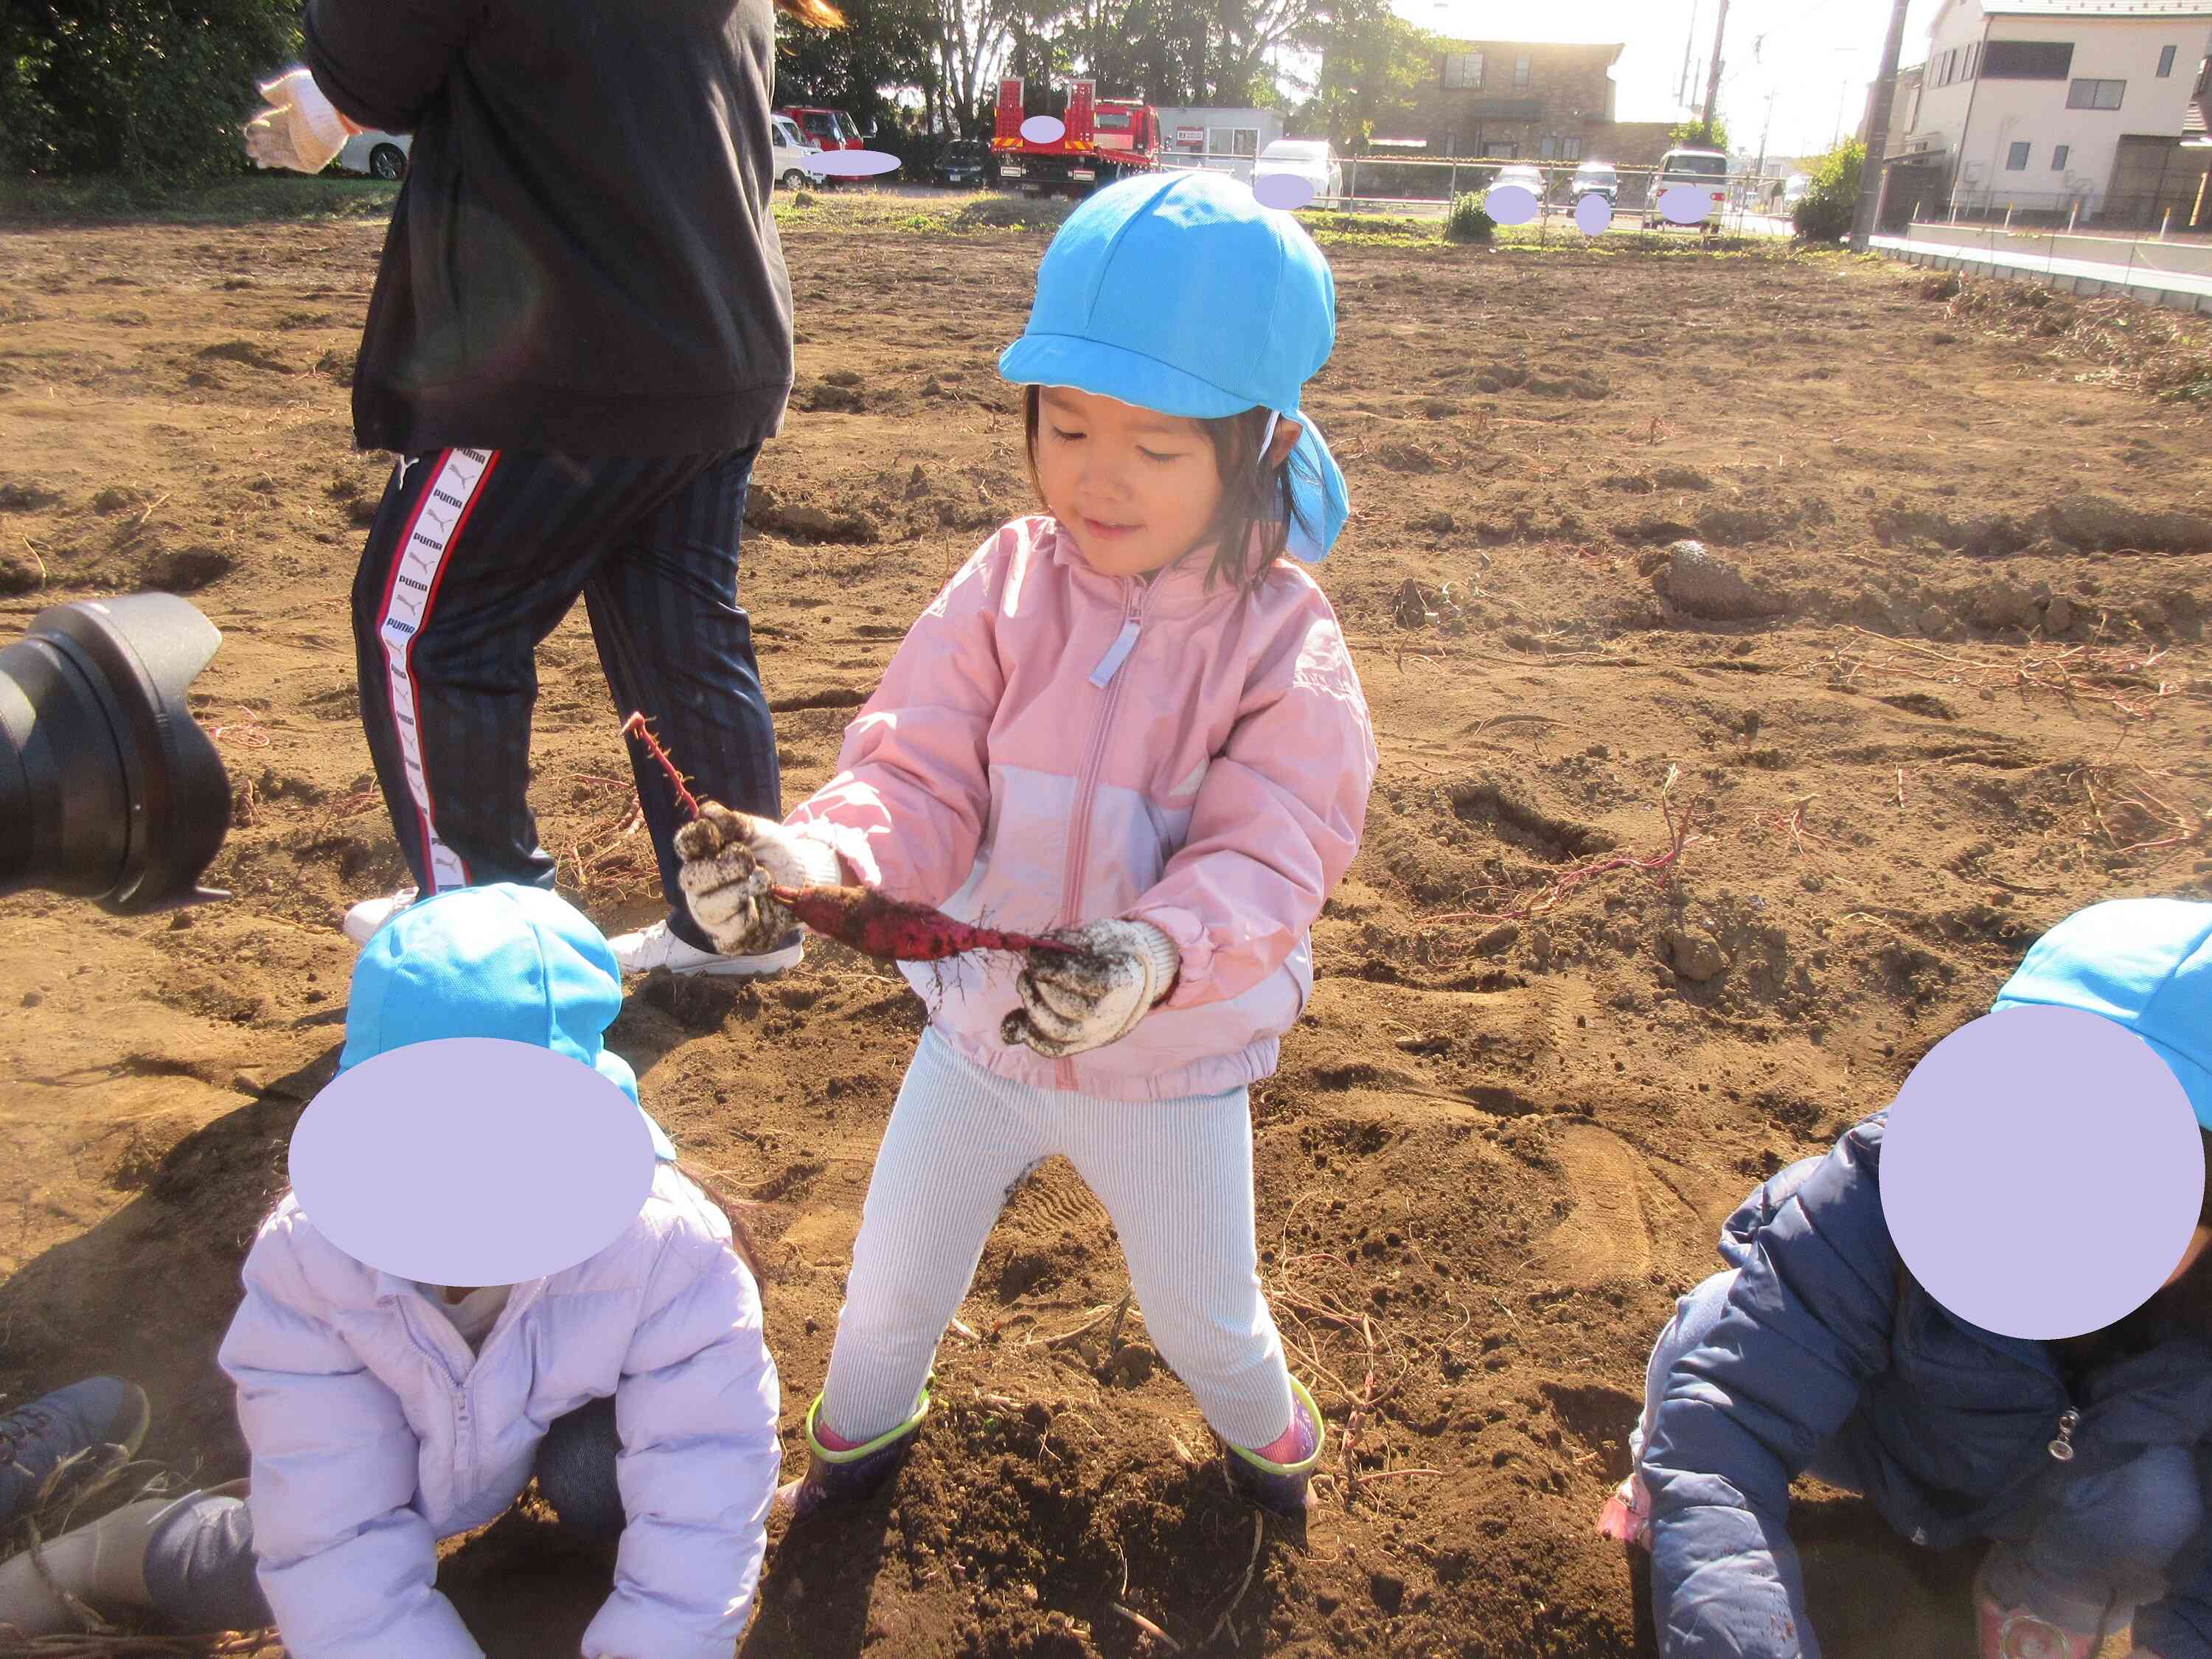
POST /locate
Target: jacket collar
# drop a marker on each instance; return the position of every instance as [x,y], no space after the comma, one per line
[1180,590]
[391,1287]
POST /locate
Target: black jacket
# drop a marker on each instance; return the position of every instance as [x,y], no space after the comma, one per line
[583,257]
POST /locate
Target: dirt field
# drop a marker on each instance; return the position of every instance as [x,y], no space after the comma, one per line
[1529,1086]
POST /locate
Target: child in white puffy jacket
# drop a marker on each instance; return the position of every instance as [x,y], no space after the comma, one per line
[383,1415]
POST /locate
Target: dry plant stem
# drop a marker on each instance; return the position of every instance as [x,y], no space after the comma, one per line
[1657,866]
[1149,1628]
[1251,1562]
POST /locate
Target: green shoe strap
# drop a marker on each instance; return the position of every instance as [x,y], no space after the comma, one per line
[814,1445]
[1321,1437]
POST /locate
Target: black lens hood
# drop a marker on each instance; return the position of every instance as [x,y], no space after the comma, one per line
[134,658]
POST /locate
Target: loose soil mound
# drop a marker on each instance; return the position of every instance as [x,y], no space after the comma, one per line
[1649,905]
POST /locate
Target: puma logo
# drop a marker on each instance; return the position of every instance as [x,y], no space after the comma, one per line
[406,461]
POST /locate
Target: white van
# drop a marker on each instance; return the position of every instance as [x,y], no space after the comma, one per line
[1706,170]
[794,155]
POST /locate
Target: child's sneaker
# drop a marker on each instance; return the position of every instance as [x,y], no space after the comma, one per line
[657,946]
[37,1438]
[2017,1633]
[2012,1630]
[1627,1516]
[101,1565]
[1278,1478]
[366,917]
[839,1471]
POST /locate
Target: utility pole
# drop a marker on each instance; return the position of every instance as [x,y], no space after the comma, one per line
[1713,76]
[1874,178]
[1689,45]
[1765,133]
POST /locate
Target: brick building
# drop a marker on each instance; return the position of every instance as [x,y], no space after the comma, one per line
[1530,102]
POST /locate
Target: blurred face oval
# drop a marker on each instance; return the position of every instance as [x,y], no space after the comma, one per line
[1685,205]
[1511,204]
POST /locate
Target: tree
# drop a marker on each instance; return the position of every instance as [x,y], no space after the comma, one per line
[1824,214]
[153,90]
[886,45]
[971,40]
[1698,134]
[1373,66]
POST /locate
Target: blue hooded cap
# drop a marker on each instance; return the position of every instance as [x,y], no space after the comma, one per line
[1180,292]
[501,961]
[2143,963]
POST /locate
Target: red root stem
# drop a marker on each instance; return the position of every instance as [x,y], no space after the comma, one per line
[635,726]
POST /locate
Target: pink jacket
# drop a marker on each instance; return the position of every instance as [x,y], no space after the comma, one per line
[1050,747]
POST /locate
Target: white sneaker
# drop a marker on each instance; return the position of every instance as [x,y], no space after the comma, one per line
[656,946]
[366,917]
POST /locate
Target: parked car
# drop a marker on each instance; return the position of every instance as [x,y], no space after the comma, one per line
[1703,170]
[1522,176]
[965,163]
[1308,159]
[379,154]
[1597,178]
[794,155]
[828,129]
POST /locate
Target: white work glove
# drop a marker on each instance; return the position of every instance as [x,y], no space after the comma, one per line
[1072,1004]
[731,860]
[300,129]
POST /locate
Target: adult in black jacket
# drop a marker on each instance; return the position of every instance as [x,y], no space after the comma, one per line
[580,337]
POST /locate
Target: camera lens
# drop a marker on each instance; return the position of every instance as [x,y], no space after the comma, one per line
[108,788]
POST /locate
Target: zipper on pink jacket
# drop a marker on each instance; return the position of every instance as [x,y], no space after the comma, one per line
[1108,676]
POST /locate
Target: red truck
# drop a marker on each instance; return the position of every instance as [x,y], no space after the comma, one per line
[829,129]
[1105,140]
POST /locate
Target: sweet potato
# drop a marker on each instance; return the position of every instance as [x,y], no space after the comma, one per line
[893,930]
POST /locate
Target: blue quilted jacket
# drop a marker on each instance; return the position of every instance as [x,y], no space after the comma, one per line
[1825,1336]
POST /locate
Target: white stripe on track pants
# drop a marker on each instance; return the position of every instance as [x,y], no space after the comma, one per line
[1176,1175]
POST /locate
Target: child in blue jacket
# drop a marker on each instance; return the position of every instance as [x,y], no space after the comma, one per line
[2085,1461]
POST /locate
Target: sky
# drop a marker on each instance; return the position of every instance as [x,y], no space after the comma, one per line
[1808,54]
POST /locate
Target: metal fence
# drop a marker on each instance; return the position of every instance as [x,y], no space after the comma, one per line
[1428,186]
[2183,209]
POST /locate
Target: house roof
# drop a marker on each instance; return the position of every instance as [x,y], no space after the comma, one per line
[2097,8]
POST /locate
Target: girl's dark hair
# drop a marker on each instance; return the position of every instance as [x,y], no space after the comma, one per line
[815,14]
[1251,499]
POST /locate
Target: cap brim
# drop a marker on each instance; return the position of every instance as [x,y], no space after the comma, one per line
[471,1161]
[2195,1081]
[1115,372]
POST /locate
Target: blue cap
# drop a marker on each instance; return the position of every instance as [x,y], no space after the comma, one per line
[1180,292]
[2143,963]
[503,960]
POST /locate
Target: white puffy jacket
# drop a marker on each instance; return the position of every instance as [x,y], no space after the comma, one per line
[374,1432]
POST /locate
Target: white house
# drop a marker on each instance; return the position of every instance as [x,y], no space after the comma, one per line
[1223,139]
[2050,105]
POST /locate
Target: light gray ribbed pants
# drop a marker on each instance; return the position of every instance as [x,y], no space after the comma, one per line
[1176,1175]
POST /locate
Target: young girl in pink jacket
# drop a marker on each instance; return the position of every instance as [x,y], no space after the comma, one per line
[1126,719]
